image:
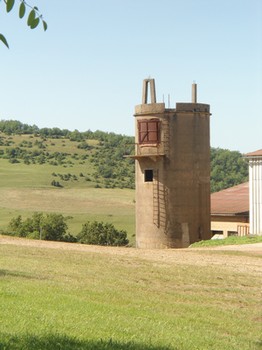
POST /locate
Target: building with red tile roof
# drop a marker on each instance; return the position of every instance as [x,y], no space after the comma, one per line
[230,211]
[238,210]
[257,153]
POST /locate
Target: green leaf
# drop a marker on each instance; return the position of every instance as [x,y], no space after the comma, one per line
[35,23]
[22,10]
[44,25]
[31,18]
[9,5]
[3,39]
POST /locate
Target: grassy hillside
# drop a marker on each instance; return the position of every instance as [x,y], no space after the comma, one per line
[82,297]
[83,194]
[72,163]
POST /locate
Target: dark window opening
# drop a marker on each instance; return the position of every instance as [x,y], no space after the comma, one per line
[148,175]
[216,232]
[232,233]
[149,131]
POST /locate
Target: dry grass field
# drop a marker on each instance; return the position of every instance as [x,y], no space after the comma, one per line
[70,296]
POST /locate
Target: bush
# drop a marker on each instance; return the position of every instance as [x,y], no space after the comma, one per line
[56,183]
[50,227]
[102,234]
[53,227]
[13,160]
[69,238]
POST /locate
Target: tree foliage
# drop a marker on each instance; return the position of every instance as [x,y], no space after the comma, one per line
[228,168]
[50,227]
[53,227]
[33,19]
[102,234]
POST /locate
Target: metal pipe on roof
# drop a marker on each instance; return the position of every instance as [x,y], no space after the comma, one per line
[194,93]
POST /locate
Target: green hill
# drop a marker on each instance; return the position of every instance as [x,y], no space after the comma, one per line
[81,174]
[70,159]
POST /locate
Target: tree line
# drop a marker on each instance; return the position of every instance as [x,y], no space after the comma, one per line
[15,127]
[53,227]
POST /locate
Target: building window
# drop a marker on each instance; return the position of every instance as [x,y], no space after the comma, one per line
[149,175]
[148,131]
[232,233]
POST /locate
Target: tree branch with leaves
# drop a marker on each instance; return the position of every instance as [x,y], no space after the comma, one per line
[33,19]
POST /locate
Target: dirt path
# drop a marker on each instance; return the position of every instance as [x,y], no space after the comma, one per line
[240,258]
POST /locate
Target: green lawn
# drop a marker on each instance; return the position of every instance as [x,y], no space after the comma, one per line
[228,241]
[60,299]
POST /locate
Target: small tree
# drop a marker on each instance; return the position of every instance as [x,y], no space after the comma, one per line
[50,227]
[102,234]
[53,227]
[14,227]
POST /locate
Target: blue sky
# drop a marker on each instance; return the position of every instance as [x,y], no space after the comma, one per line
[86,71]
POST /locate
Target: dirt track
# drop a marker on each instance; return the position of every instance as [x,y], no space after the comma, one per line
[239,258]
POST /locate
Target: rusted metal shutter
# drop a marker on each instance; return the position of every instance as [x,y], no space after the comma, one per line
[149,131]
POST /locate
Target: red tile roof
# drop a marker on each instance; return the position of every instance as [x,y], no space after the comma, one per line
[254,154]
[233,200]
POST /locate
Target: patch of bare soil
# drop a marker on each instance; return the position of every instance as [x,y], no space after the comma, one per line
[238,258]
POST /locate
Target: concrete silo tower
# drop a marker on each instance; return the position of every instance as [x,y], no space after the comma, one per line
[172,172]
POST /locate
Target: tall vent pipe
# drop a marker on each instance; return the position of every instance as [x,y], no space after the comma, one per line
[194,93]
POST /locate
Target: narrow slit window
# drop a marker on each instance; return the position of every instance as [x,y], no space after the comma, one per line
[149,175]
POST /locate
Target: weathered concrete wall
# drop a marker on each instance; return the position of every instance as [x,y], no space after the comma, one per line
[189,173]
[173,210]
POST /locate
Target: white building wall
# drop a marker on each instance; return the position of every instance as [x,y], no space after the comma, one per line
[255,195]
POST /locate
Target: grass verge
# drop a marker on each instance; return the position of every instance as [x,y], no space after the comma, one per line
[228,241]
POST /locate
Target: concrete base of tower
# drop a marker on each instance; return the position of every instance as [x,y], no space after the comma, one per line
[160,245]
[155,244]
[180,237]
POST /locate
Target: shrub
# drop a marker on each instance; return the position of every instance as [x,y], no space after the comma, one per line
[84,145]
[56,183]
[50,227]
[102,234]
[53,227]
[68,237]
[13,160]
[14,227]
